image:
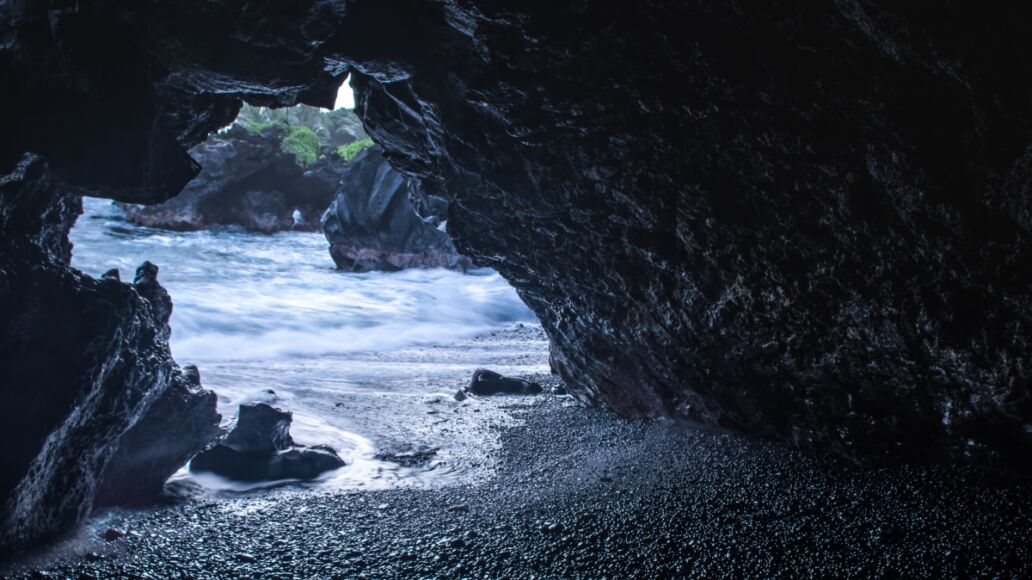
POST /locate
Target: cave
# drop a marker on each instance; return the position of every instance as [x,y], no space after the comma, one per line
[782,243]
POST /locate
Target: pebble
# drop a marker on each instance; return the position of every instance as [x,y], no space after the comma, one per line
[112,534]
[676,502]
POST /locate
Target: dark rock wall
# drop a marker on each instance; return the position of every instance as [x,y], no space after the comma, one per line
[373,223]
[805,220]
[113,95]
[800,221]
[181,423]
[81,360]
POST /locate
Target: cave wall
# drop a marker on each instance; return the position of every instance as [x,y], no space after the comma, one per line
[82,361]
[803,220]
[113,95]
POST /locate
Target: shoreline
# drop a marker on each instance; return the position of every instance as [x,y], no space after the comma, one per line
[576,491]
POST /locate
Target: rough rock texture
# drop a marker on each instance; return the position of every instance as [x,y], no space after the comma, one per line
[259,448]
[81,360]
[181,423]
[247,180]
[486,383]
[804,221]
[260,429]
[799,221]
[373,223]
[113,96]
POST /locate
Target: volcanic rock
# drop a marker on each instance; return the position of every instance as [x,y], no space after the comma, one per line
[485,383]
[247,179]
[260,429]
[81,362]
[259,448]
[372,223]
[803,222]
[180,424]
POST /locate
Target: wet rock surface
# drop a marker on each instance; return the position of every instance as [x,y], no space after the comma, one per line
[81,360]
[181,423]
[578,492]
[485,383]
[409,456]
[259,448]
[788,221]
[373,223]
[809,223]
[247,179]
[260,429]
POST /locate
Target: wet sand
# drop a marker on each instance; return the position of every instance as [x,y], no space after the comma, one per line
[565,491]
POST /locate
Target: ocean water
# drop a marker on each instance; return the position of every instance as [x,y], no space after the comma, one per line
[366,362]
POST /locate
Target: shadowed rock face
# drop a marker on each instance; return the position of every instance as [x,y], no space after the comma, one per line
[81,362]
[181,423]
[259,448]
[372,223]
[113,97]
[800,223]
[248,180]
[808,222]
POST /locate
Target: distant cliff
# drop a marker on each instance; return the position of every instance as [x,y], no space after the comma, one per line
[272,170]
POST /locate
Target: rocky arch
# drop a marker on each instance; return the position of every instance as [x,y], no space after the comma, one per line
[806,222]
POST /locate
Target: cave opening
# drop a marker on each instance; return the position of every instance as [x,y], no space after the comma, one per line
[779,249]
[367,353]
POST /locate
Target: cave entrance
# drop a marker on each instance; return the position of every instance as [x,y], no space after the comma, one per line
[366,353]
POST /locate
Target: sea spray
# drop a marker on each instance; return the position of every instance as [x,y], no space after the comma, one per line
[360,359]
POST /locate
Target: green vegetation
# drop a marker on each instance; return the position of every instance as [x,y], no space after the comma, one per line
[307,133]
[257,127]
[351,150]
[326,124]
[302,143]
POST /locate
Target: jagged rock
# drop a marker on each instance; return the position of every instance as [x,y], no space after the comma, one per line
[259,448]
[260,429]
[248,180]
[805,222]
[181,423]
[799,222]
[485,383]
[81,360]
[372,223]
[136,108]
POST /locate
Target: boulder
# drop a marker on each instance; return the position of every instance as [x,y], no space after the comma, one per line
[373,224]
[260,430]
[294,463]
[485,383]
[259,448]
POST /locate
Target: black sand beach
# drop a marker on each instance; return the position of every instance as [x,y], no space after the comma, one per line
[577,492]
